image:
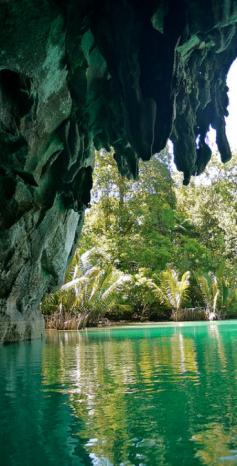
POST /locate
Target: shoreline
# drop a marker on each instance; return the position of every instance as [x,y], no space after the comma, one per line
[150,324]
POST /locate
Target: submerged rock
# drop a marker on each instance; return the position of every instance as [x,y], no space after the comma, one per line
[75,76]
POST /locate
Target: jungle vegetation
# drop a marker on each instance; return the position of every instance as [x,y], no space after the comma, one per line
[152,249]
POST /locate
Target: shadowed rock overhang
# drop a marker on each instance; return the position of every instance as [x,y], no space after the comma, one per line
[79,75]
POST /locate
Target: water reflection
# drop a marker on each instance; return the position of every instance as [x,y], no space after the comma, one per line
[138,396]
[215,445]
[163,396]
[37,427]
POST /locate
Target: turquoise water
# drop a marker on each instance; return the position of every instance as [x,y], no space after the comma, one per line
[137,396]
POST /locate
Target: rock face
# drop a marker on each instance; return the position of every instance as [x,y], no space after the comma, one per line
[75,75]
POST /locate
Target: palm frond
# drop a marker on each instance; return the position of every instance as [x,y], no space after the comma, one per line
[210,290]
[172,291]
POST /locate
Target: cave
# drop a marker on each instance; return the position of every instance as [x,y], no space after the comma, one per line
[79,76]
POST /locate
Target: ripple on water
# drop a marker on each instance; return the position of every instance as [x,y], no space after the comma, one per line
[164,396]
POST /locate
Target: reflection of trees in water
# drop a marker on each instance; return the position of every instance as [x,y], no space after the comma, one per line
[213,331]
[216,441]
[215,445]
[144,399]
[37,426]
[109,392]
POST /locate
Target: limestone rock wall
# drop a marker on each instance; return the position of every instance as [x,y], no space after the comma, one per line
[75,75]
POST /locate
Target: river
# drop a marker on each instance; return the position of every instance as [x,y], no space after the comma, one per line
[154,395]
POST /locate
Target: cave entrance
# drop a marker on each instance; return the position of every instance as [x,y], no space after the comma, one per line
[232,109]
[232,118]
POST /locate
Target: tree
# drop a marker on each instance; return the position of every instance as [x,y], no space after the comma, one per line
[134,218]
[172,291]
[210,291]
[210,205]
[141,235]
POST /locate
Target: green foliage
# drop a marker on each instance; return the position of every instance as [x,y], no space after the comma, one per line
[210,290]
[172,291]
[142,293]
[209,204]
[94,290]
[228,299]
[141,235]
[135,219]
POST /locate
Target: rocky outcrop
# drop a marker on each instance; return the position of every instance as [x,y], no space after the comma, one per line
[78,75]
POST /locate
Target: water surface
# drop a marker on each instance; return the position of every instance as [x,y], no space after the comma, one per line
[136,396]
